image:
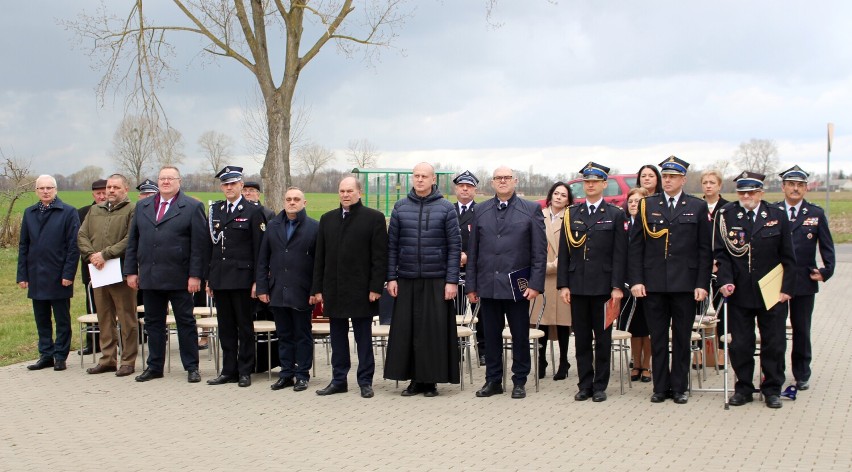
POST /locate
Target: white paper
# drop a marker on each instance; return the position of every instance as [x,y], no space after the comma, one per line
[110,274]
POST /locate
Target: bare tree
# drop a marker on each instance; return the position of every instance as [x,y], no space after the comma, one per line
[256,127]
[133,52]
[15,182]
[363,153]
[83,178]
[134,146]
[311,159]
[757,155]
[216,148]
[169,147]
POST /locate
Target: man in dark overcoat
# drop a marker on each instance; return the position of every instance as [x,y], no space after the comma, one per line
[507,236]
[236,229]
[167,256]
[465,190]
[669,263]
[285,270]
[349,276]
[809,228]
[752,238]
[47,264]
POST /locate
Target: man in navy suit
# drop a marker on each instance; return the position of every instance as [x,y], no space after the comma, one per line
[507,235]
[167,254]
[465,190]
[809,227]
[285,269]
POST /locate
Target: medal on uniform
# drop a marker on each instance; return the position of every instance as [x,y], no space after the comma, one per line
[740,215]
[763,214]
[810,235]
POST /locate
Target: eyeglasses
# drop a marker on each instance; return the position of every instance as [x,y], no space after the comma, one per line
[168,179]
[502,178]
[45,189]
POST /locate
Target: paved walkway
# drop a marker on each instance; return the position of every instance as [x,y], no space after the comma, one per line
[71,420]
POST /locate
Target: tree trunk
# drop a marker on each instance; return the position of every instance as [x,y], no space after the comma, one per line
[276,167]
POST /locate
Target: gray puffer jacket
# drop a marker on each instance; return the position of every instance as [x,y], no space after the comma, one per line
[424,239]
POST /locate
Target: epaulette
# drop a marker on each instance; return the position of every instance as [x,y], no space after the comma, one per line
[615,206]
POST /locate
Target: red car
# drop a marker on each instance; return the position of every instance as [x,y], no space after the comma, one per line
[615,192]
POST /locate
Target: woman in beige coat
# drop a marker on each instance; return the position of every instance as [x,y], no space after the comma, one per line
[556,321]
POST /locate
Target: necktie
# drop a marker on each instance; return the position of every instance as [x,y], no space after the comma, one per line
[230,208]
[502,206]
[345,213]
[591,209]
[750,215]
[671,205]
[792,213]
[463,209]
[290,228]
[162,210]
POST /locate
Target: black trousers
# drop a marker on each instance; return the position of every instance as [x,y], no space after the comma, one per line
[295,342]
[61,308]
[773,346]
[235,312]
[587,320]
[678,311]
[156,308]
[801,310]
[492,313]
[340,361]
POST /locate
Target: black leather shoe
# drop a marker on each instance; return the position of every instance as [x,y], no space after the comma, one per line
[802,385]
[193,376]
[518,391]
[282,383]
[658,397]
[490,388]
[773,401]
[367,391]
[430,391]
[301,385]
[583,395]
[680,398]
[412,390]
[740,399]
[86,351]
[59,365]
[222,379]
[41,363]
[562,372]
[333,388]
[542,369]
[599,396]
[245,381]
[148,374]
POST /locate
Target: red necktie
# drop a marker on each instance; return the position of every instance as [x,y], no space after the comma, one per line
[162,210]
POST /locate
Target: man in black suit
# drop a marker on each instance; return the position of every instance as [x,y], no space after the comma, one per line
[507,235]
[809,228]
[465,190]
[349,276]
[285,266]
[236,229]
[592,261]
[92,340]
[669,263]
[752,238]
[167,256]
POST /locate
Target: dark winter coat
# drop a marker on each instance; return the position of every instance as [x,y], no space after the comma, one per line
[48,252]
[285,269]
[351,261]
[423,238]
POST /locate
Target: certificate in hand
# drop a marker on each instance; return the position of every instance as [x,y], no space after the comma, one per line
[110,274]
[770,286]
[611,311]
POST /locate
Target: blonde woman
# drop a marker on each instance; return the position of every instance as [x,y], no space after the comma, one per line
[640,343]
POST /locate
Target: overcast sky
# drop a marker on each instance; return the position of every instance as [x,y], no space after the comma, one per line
[558,84]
